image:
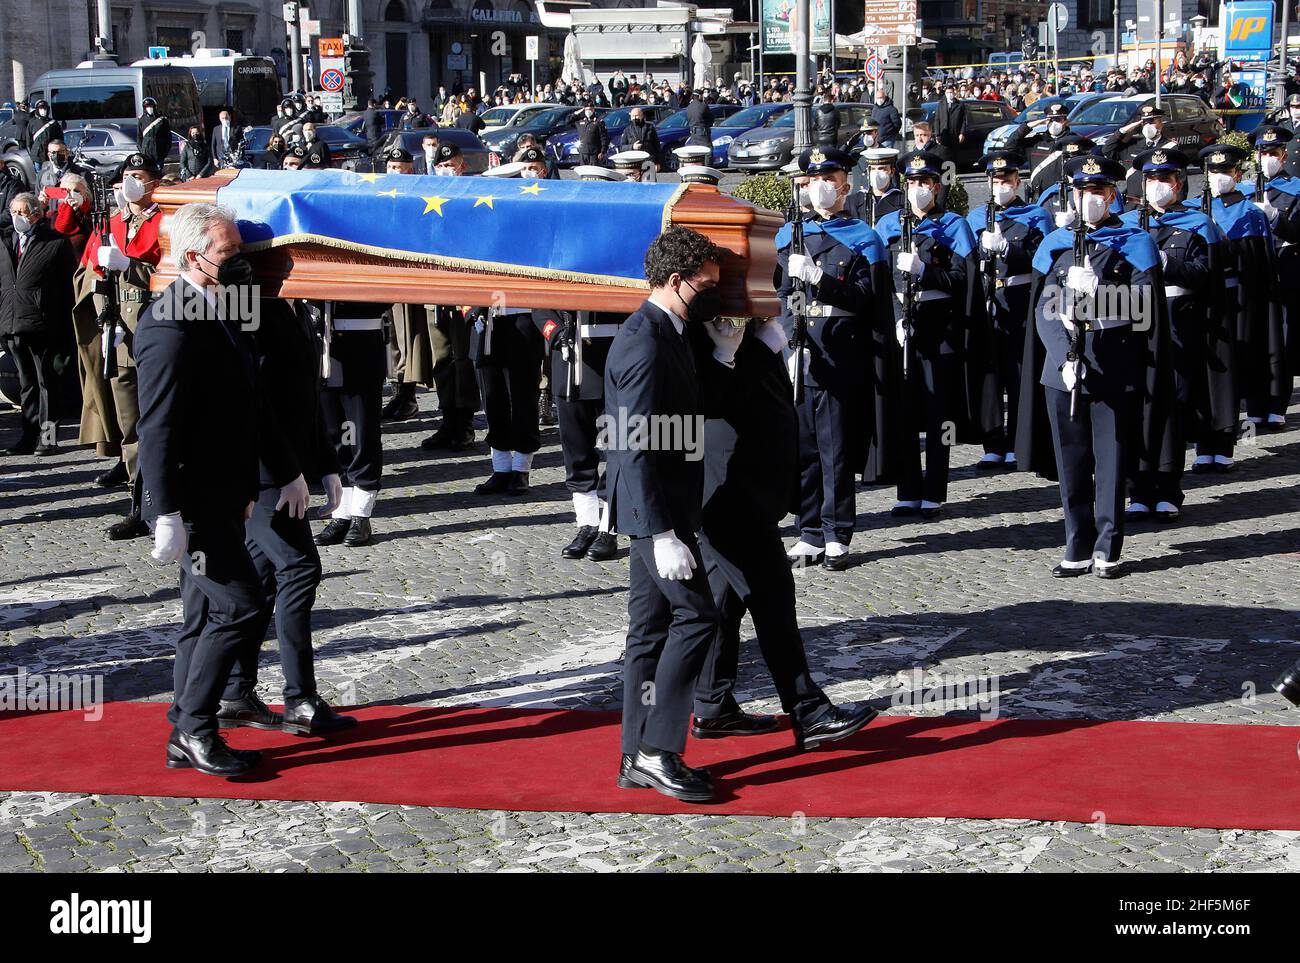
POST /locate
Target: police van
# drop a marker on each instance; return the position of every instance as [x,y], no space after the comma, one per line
[248,84]
[101,92]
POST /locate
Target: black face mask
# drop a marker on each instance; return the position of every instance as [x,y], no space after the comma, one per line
[234,271]
[705,306]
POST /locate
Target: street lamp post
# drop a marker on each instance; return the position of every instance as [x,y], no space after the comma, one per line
[799,41]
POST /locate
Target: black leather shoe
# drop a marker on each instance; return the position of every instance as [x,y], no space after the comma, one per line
[904,511]
[439,440]
[498,482]
[334,532]
[990,465]
[358,533]
[250,712]
[113,477]
[837,723]
[1110,571]
[738,723]
[1060,571]
[625,781]
[22,447]
[44,451]
[132,526]
[666,773]
[604,548]
[581,542]
[401,406]
[518,484]
[836,563]
[208,754]
[1287,685]
[464,442]
[314,717]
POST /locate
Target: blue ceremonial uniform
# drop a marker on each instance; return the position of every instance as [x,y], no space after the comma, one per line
[1284,337]
[833,424]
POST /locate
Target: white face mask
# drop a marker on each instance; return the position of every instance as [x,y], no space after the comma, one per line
[21,224]
[1159,193]
[822,195]
[444,171]
[1003,194]
[1055,128]
[1150,131]
[804,203]
[1272,165]
[1295,114]
[920,196]
[118,198]
[132,189]
[868,140]
[1221,184]
[880,178]
[1094,208]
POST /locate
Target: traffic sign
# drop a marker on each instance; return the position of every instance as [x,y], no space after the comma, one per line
[330,47]
[530,47]
[332,80]
[875,68]
[331,103]
[157,53]
[1059,14]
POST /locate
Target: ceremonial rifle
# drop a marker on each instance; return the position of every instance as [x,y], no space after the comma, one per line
[101,215]
[1205,197]
[990,257]
[906,217]
[798,296]
[1075,357]
[1144,209]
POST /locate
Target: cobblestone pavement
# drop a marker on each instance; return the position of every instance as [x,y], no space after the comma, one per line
[464,600]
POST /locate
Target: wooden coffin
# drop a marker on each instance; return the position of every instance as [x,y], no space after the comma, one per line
[315,271]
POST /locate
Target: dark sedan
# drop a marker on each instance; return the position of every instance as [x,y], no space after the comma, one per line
[543,125]
[563,147]
[1188,120]
[769,148]
[675,131]
[347,150]
[742,122]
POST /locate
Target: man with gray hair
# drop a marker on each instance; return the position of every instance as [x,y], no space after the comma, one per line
[199,429]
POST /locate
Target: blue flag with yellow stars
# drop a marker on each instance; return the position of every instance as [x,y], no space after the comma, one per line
[567,230]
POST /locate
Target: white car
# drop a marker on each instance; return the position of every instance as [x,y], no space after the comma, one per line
[509,114]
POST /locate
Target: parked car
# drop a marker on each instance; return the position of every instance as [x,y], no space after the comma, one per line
[997,138]
[508,114]
[1188,120]
[542,124]
[982,117]
[769,148]
[353,122]
[674,131]
[477,157]
[563,147]
[102,147]
[742,122]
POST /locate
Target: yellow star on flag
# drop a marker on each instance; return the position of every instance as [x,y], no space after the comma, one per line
[370,178]
[533,189]
[392,193]
[485,200]
[433,204]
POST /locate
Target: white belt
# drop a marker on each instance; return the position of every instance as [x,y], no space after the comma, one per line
[1174,291]
[599,330]
[927,296]
[1013,279]
[358,324]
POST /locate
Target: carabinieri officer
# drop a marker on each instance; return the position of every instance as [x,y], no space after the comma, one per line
[1102,324]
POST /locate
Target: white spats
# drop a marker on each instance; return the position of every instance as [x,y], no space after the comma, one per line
[500,460]
[802,549]
[345,505]
[521,461]
[836,549]
[361,502]
[586,508]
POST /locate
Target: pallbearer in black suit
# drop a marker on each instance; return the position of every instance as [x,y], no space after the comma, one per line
[838,287]
[941,274]
[751,479]
[880,195]
[1006,270]
[199,462]
[1281,206]
[1100,318]
[1192,251]
[278,536]
[653,432]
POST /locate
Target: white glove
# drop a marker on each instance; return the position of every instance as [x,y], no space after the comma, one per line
[1065,218]
[773,335]
[726,340]
[1269,210]
[295,495]
[333,494]
[1082,280]
[790,362]
[1071,376]
[673,559]
[910,263]
[805,269]
[900,332]
[169,538]
[993,242]
[112,258]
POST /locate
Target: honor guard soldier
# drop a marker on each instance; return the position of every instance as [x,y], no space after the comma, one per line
[1279,206]
[935,277]
[1099,317]
[41,129]
[631,164]
[155,133]
[798,186]
[410,356]
[295,159]
[508,351]
[1290,120]
[865,138]
[593,137]
[880,194]
[833,278]
[1251,295]
[132,256]
[1055,196]
[692,155]
[1143,133]
[1010,231]
[534,163]
[289,124]
[317,151]
[699,174]
[1048,129]
[1191,249]
[594,172]
[453,369]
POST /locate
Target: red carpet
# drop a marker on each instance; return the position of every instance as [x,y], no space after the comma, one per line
[1150,773]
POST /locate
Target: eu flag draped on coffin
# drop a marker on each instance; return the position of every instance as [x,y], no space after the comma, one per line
[556,229]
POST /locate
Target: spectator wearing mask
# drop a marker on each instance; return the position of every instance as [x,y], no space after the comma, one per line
[196,157]
[885,115]
[275,151]
[226,139]
[69,210]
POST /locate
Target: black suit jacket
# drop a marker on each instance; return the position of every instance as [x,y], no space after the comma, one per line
[221,146]
[200,426]
[36,291]
[650,374]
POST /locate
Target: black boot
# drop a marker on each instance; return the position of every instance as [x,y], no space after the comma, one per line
[206,753]
[497,483]
[604,548]
[402,405]
[334,532]
[113,477]
[358,533]
[546,407]
[518,484]
[581,542]
[132,526]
